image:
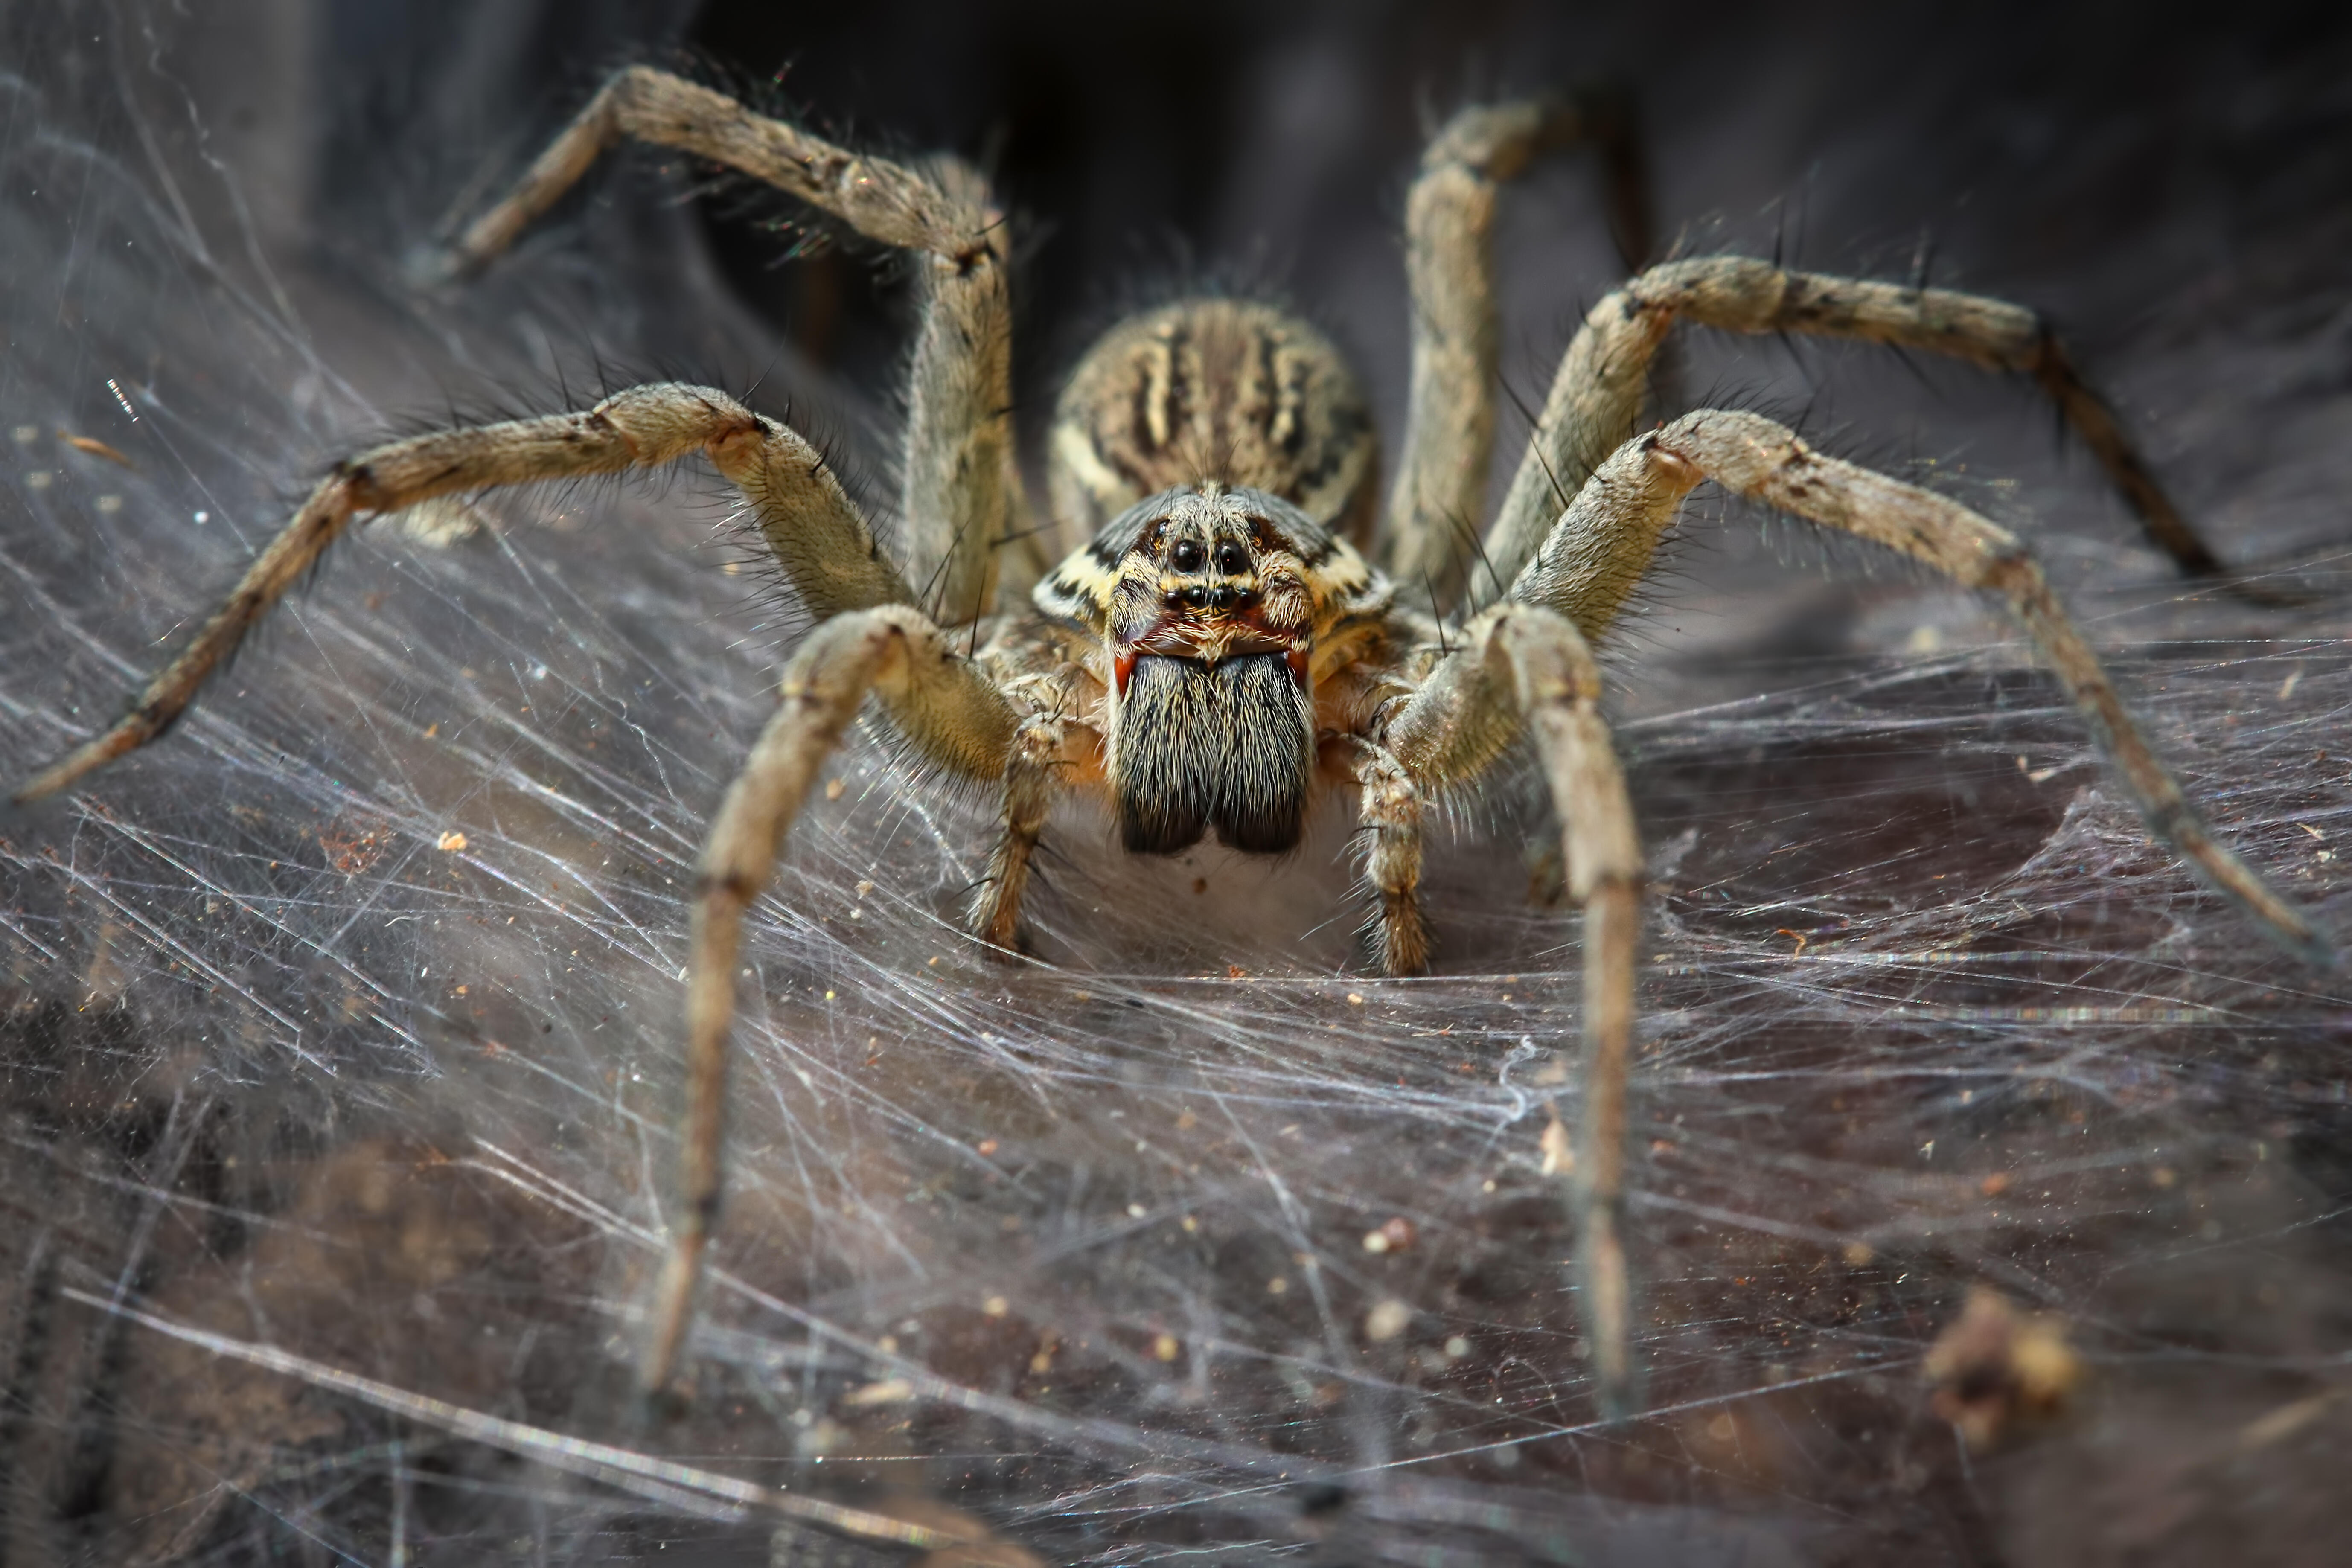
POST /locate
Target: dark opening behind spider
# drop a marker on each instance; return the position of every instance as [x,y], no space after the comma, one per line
[1240,636]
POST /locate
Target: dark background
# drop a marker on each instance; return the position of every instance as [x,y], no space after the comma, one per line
[2089,159]
[2143,178]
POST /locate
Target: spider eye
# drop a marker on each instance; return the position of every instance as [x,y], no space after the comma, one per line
[1231,561]
[1186,556]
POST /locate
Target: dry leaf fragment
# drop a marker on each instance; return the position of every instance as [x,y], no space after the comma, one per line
[1997,1372]
[1559,1154]
[889,1391]
[96,449]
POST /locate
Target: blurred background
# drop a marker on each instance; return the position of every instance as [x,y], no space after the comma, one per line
[1072,1262]
[2155,182]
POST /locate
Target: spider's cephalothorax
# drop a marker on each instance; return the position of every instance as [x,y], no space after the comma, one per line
[1220,647]
[1212,604]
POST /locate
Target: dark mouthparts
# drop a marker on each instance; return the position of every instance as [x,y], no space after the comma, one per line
[1229,745]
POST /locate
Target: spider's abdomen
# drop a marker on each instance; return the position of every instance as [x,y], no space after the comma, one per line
[1228,746]
[1222,392]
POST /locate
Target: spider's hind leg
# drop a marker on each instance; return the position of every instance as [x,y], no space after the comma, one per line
[1440,487]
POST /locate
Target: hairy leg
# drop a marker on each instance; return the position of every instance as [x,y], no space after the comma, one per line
[897,654]
[1390,814]
[1440,492]
[1598,391]
[821,542]
[1029,765]
[1524,669]
[962,494]
[1602,545]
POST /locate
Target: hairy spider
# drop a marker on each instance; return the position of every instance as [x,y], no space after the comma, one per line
[1229,645]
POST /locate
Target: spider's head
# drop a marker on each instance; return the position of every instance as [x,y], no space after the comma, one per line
[1226,392]
[1210,603]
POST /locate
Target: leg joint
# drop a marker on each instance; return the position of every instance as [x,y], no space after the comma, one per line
[731,885]
[2010,568]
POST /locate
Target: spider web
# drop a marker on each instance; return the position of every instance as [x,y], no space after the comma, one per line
[341,1026]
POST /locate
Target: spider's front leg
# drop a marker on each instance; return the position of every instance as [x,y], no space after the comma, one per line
[1598,390]
[1029,765]
[961,490]
[1602,544]
[955,715]
[1395,930]
[820,539]
[1522,669]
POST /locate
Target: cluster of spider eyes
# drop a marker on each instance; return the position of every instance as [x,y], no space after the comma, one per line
[1188,556]
[1232,560]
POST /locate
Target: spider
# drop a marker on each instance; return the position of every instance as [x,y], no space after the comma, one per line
[1235,640]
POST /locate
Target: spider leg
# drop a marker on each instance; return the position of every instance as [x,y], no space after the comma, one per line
[1519,669]
[1598,391]
[820,540]
[1602,543]
[962,492]
[1390,814]
[897,654]
[1439,489]
[1029,767]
